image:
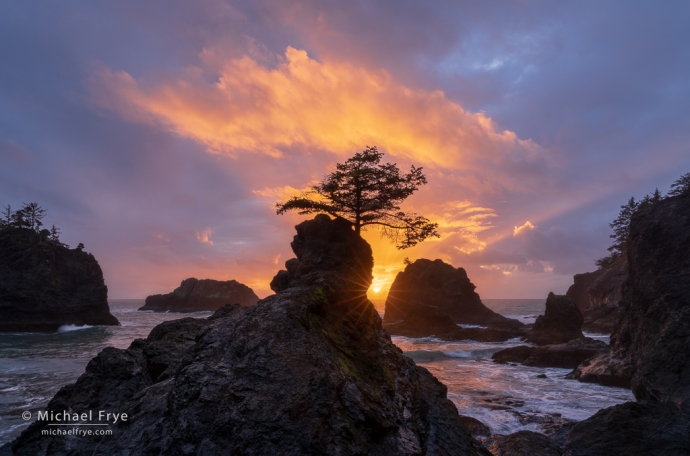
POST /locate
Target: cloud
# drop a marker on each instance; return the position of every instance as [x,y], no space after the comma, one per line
[204,236]
[526,226]
[322,106]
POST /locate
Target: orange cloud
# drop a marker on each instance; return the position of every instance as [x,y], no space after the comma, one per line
[301,102]
[519,229]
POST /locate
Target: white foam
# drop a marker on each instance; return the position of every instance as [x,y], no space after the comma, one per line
[68,328]
[472,326]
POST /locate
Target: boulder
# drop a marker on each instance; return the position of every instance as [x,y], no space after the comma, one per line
[561,322]
[566,356]
[632,428]
[195,295]
[309,370]
[649,346]
[45,285]
[522,443]
[444,291]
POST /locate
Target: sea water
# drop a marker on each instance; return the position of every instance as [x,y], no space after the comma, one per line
[33,367]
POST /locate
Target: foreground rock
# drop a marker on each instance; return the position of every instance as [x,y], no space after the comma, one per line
[632,428]
[309,370]
[561,322]
[566,356]
[522,443]
[433,298]
[195,295]
[45,285]
[649,347]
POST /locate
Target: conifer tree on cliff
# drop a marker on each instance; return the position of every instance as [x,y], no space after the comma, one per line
[366,192]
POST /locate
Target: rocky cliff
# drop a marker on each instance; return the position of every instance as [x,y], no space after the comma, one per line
[44,285]
[432,297]
[598,295]
[649,345]
[309,370]
[195,295]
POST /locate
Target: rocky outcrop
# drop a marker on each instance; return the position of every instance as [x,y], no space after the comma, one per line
[632,428]
[566,356]
[598,295]
[599,288]
[195,295]
[446,295]
[523,443]
[561,322]
[649,347]
[309,370]
[600,319]
[45,285]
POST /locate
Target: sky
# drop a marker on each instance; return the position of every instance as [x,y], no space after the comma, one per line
[161,134]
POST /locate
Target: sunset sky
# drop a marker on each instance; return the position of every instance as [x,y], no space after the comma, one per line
[162,133]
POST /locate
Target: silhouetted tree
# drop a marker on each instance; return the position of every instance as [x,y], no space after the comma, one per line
[6,219]
[621,227]
[680,186]
[366,192]
[33,214]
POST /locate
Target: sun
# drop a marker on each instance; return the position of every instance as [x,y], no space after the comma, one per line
[376,290]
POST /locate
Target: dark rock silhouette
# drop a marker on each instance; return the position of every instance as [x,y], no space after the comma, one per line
[649,347]
[195,295]
[632,428]
[567,356]
[428,296]
[598,294]
[45,285]
[309,370]
[522,443]
[561,322]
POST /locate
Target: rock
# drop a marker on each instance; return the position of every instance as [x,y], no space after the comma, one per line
[477,429]
[447,295]
[45,285]
[522,443]
[195,295]
[309,370]
[632,428]
[567,356]
[599,288]
[600,319]
[561,322]
[650,342]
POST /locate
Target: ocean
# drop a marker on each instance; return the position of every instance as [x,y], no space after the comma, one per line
[507,398]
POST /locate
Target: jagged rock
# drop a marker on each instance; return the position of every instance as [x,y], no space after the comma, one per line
[599,288]
[446,295]
[195,295]
[567,356]
[309,370]
[561,322]
[649,346]
[44,285]
[522,443]
[632,428]
[600,319]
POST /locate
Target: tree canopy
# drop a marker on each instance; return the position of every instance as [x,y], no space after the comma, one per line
[366,192]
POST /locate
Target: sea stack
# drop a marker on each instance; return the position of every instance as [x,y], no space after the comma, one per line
[195,295]
[45,285]
[561,322]
[434,298]
[308,370]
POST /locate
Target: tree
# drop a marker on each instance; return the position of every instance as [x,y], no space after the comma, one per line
[680,186]
[621,227]
[33,214]
[366,193]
